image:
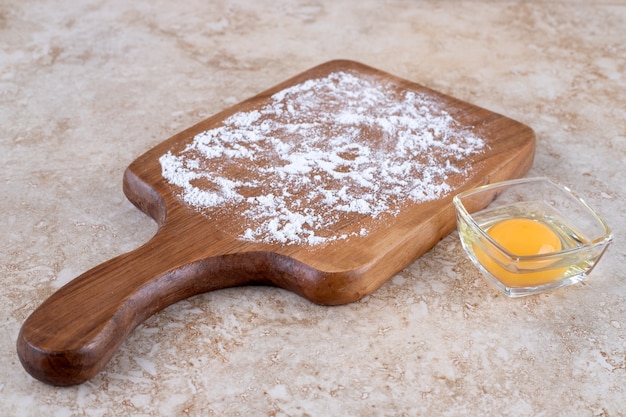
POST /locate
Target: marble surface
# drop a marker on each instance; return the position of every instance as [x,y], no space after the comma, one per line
[87,86]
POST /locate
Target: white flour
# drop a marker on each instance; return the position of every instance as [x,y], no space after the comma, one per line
[320,155]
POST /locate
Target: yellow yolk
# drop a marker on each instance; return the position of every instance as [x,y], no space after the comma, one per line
[522,237]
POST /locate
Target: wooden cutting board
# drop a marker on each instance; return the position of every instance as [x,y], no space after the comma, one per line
[326,185]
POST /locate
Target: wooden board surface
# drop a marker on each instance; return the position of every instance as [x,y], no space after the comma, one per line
[339,254]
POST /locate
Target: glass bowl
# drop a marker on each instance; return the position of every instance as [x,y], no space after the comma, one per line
[530,235]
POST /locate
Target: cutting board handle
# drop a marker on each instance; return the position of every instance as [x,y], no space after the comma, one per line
[75,332]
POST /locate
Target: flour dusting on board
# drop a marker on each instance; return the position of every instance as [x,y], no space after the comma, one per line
[298,169]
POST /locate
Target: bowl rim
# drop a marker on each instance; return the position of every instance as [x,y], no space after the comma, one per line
[585,246]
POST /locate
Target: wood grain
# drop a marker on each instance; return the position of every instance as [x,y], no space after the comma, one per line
[75,332]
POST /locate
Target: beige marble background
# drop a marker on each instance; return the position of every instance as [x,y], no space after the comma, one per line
[86,86]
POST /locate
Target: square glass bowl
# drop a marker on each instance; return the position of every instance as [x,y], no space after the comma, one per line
[530,235]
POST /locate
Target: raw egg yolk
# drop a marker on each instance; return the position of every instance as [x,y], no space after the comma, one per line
[522,237]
